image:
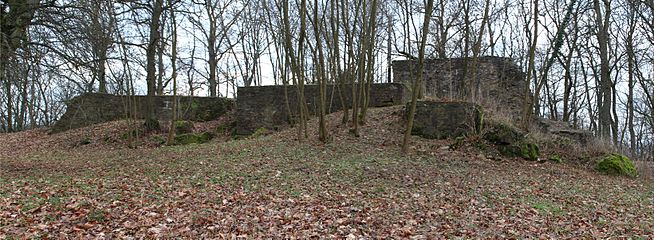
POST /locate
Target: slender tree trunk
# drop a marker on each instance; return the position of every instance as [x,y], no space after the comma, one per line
[419,75]
[151,122]
[601,20]
[211,50]
[8,93]
[320,74]
[369,70]
[527,101]
[173,60]
[631,62]
[475,90]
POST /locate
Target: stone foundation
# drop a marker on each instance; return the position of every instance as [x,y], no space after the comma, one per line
[93,108]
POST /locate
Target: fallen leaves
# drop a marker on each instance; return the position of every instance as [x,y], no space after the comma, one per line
[352,188]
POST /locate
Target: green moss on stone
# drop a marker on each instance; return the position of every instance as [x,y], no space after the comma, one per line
[503,134]
[616,164]
[190,138]
[527,150]
[262,131]
[508,150]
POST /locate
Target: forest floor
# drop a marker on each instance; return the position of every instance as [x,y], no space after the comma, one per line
[86,184]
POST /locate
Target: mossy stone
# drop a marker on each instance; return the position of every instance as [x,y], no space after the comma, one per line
[262,131]
[617,164]
[190,138]
[502,134]
[182,127]
[508,150]
[527,150]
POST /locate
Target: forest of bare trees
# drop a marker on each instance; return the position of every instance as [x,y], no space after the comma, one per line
[587,62]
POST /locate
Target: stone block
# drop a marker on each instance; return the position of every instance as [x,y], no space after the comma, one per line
[438,120]
[93,108]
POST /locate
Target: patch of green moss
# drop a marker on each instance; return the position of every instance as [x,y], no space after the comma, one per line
[529,151]
[480,121]
[190,138]
[262,131]
[503,134]
[556,159]
[182,127]
[617,164]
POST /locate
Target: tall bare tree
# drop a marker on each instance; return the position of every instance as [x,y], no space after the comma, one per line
[419,75]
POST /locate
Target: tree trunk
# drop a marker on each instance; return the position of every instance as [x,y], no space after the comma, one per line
[419,75]
[320,75]
[173,60]
[605,79]
[151,122]
[527,104]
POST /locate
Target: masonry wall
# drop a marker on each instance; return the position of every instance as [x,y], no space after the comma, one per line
[499,84]
[265,106]
[92,108]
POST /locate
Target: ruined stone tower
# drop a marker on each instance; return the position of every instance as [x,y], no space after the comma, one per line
[498,83]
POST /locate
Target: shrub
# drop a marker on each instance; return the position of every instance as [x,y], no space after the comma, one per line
[556,159]
[529,151]
[182,127]
[616,164]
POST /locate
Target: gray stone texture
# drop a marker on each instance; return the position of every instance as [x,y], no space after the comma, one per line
[500,82]
[563,129]
[439,120]
[93,108]
[265,106]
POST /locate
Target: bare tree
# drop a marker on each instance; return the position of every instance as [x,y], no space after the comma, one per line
[419,75]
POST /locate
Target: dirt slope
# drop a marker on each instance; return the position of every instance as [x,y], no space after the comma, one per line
[275,187]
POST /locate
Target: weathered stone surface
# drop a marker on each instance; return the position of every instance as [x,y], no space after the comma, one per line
[502,133]
[500,82]
[438,120]
[92,108]
[265,106]
[563,129]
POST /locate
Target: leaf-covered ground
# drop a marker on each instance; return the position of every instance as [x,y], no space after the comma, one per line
[274,187]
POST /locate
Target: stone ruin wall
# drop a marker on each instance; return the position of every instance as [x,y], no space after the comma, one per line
[265,106]
[501,89]
[501,82]
[93,108]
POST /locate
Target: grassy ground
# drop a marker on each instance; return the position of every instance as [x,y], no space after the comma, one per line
[273,186]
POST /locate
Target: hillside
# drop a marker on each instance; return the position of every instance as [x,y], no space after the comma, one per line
[87,183]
